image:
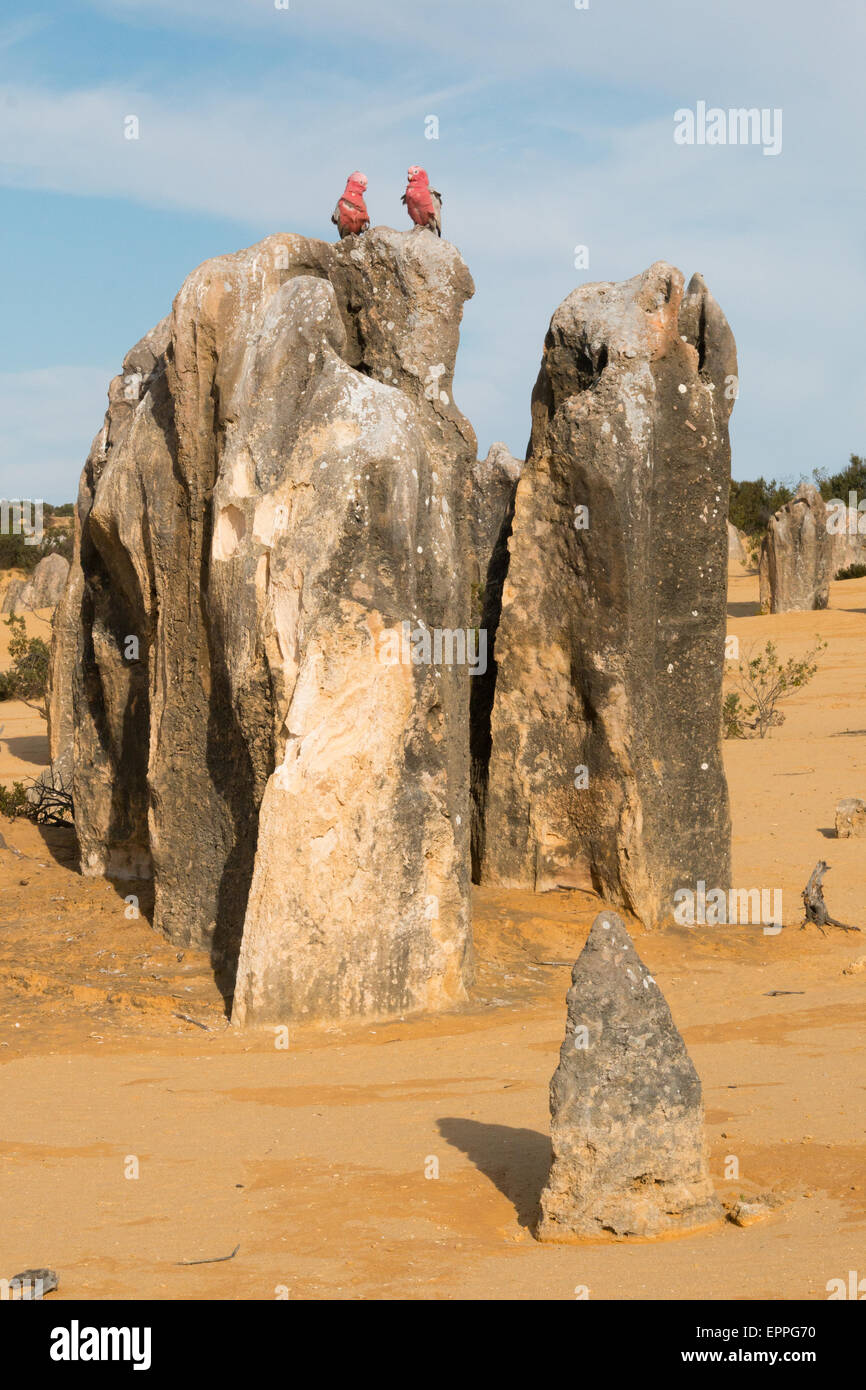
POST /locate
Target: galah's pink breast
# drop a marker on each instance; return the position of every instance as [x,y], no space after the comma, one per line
[353,212]
[420,205]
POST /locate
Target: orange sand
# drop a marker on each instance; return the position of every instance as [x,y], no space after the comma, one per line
[313,1158]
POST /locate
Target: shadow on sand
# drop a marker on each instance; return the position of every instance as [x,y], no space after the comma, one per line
[516,1161]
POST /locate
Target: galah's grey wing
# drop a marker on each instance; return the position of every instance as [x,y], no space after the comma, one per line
[437,210]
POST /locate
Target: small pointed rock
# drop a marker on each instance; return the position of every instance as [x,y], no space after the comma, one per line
[629,1156]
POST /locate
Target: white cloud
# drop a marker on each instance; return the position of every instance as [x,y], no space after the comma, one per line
[666,46]
[522,183]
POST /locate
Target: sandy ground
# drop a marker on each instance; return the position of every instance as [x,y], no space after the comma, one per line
[319,1160]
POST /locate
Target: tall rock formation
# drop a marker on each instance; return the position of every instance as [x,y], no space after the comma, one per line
[796,556]
[281,479]
[627,1120]
[596,734]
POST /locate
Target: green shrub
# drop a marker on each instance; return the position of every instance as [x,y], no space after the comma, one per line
[765,681]
[733,716]
[15,554]
[14,802]
[27,678]
[851,479]
[752,504]
[852,572]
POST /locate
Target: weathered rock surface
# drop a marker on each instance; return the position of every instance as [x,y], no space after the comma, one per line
[43,589]
[748,1211]
[795,565]
[850,818]
[494,481]
[738,559]
[282,475]
[629,1156]
[596,734]
[11,595]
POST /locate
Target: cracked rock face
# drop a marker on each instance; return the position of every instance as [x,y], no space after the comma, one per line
[596,734]
[796,556]
[494,480]
[281,479]
[629,1156]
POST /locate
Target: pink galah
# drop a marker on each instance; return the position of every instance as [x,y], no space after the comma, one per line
[424,204]
[350,215]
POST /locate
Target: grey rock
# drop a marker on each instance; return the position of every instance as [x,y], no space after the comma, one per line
[609,624]
[12,596]
[33,1283]
[747,1211]
[737,554]
[850,818]
[44,588]
[629,1156]
[47,582]
[795,567]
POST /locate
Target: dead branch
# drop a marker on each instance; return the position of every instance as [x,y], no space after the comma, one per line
[49,801]
[813,901]
[217,1259]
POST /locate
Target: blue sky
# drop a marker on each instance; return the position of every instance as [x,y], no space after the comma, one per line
[555,130]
